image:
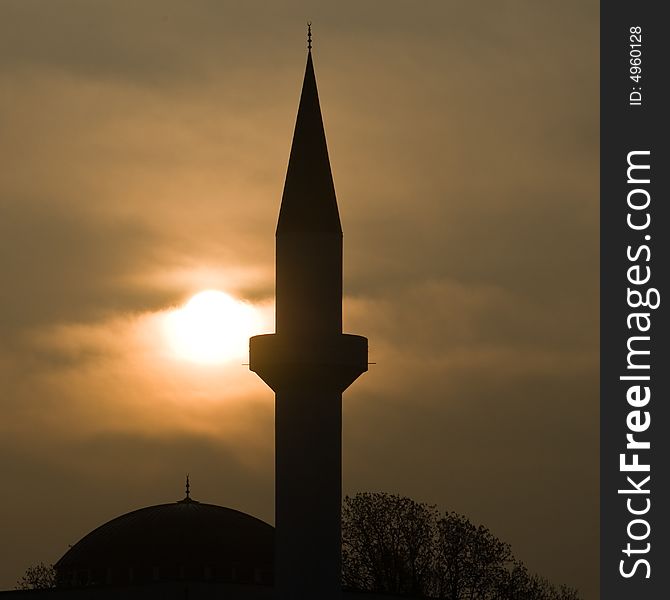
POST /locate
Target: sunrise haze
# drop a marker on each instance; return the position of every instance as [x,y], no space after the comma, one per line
[145,147]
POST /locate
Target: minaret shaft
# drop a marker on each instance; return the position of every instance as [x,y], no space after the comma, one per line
[308,491]
[309,283]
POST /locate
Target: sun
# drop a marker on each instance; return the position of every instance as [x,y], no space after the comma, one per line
[211,328]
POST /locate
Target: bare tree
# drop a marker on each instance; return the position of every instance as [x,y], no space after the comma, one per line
[387,543]
[565,592]
[37,577]
[470,561]
[521,585]
[392,544]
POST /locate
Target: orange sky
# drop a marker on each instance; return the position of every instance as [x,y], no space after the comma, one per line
[145,146]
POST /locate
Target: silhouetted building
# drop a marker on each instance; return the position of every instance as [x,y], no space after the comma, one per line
[180,541]
[308,363]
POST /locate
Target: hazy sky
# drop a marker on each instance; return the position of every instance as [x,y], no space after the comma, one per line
[144,149]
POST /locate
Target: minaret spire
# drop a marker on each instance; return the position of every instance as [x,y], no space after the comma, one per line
[309,202]
[309,36]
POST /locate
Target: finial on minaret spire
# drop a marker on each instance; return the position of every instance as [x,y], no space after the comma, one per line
[309,35]
[188,486]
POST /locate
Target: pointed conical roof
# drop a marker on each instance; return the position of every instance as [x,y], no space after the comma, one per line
[308,202]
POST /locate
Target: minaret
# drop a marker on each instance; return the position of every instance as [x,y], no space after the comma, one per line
[308,363]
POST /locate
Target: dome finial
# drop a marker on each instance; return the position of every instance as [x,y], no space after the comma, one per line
[309,35]
[188,486]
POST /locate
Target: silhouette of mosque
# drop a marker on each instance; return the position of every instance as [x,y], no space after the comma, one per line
[181,541]
[189,549]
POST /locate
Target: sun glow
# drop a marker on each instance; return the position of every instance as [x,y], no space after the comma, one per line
[212,327]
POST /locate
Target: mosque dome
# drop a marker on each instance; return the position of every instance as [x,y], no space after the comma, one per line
[185,540]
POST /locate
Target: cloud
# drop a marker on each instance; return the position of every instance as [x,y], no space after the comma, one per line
[57,266]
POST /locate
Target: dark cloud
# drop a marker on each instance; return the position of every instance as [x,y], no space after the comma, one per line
[59,266]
